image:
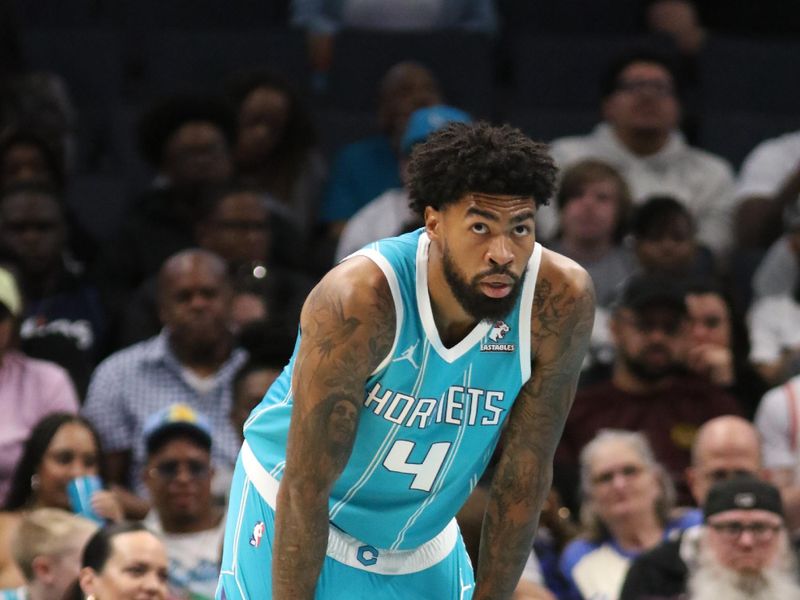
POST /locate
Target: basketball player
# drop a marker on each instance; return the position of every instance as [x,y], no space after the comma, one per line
[415,355]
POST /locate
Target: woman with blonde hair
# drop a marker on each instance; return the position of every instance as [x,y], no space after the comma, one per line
[47,547]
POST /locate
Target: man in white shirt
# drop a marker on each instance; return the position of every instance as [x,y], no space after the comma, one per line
[639,136]
[769,182]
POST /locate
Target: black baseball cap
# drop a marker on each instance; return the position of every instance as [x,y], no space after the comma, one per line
[742,493]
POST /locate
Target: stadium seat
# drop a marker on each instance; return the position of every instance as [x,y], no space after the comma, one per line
[752,75]
[564,71]
[549,124]
[176,60]
[461,61]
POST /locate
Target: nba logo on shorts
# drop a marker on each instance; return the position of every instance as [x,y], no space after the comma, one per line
[258,533]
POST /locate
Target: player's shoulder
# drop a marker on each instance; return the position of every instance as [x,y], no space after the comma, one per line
[355,285]
[562,275]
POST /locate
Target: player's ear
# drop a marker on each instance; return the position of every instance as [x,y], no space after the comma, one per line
[433,220]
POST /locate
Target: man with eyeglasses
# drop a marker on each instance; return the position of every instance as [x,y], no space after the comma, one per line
[649,389]
[741,551]
[639,136]
[178,478]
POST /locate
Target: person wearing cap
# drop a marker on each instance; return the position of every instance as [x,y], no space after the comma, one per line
[726,447]
[390,213]
[29,388]
[178,477]
[774,320]
[649,389]
[740,552]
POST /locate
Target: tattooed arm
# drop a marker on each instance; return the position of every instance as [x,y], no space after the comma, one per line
[561,324]
[347,327]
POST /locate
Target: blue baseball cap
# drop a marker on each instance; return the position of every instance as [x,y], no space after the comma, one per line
[425,121]
[176,420]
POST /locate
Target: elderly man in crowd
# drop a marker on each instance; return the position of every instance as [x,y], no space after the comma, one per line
[741,551]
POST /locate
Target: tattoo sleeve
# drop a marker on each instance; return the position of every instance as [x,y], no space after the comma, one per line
[561,324]
[347,330]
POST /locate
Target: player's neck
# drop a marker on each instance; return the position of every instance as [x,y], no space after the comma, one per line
[452,322]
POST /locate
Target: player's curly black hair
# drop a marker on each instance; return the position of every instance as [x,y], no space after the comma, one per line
[478,157]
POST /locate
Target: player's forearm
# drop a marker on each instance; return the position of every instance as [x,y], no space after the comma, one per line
[301,539]
[509,525]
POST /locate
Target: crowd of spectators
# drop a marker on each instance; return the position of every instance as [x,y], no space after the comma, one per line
[133,348]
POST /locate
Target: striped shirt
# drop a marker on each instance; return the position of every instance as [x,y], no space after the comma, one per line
[137,381]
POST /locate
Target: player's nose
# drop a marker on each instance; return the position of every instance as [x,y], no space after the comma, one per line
[500,251]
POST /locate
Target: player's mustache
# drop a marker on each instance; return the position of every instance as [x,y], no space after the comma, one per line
[499,270]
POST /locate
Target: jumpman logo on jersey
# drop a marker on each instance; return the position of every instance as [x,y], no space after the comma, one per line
[408,354]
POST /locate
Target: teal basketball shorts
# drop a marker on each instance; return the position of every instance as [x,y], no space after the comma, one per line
[440,569]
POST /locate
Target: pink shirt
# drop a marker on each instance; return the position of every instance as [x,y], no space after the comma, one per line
[29,390]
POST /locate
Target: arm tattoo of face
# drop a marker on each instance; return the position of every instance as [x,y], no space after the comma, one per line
[347,348]
[561,324]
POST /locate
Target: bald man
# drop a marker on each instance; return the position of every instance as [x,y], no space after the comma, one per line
[192,361]
[724,447]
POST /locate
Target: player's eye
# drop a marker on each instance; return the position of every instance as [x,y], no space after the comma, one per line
[522,230]
[480,228]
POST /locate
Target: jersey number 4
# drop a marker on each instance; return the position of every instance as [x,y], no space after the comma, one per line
[425,472]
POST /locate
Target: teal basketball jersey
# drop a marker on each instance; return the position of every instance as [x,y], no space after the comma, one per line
[431,415]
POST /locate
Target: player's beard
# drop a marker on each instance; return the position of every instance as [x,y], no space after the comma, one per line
[470,296]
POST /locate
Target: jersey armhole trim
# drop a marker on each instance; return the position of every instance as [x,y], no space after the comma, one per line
[391,277]
[526,306]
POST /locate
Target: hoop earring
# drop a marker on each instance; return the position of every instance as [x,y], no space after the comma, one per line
[34,482]
[90,597]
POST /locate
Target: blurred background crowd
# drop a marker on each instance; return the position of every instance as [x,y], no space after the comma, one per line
[176,176]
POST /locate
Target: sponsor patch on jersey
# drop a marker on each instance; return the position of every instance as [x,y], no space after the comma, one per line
[496,334]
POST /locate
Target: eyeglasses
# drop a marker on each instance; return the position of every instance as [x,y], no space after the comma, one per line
[718,475]
[169,469]
[658,88]
[731,531]
[627,471]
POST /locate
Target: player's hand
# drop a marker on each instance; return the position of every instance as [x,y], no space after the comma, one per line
[106,506]
[713,362]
